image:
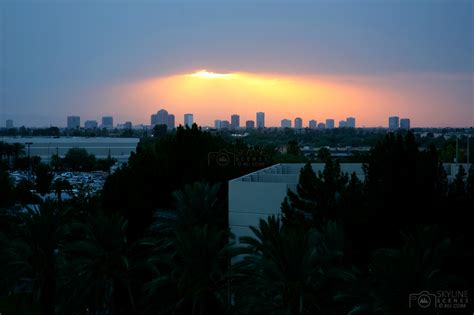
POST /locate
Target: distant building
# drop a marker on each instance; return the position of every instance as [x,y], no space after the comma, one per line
[321,126]
[329,123]
[235,121]
[9,123]
[260,120]
[298,123]
[313,124]
[73,122]
[393,122]
[171,122]
[405,123]
[350,122]
[188,120]
[342,124]
[127,125]
[162,117]
[286,123]
[91,124]
[218,124]
[153,120]
[250,124]
[108,122]
[225,124]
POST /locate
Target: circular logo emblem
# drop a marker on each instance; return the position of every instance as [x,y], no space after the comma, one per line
[223,159]
[424,300]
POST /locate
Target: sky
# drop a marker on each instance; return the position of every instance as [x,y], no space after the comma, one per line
[309,59]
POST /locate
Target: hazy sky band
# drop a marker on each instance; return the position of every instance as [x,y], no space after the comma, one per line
[58,58]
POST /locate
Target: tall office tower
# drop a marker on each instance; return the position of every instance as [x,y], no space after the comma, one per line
[188,120]
[90,124]
[285,123]
[225,124]
[235,121]
[298,123]
[107,122]
[153,120]
[350,122]
[260,120]
[321,126]
[73,122]
[171,122]
[218,124]
[329,123]
[313,124]
[249,124]
[393,122]
[162,117]
[9,123]
[405,123]
[127,125]
[342,124]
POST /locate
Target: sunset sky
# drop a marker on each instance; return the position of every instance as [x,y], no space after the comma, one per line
[312,59]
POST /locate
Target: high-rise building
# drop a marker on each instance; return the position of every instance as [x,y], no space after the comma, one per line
[285,123]
[188,120]
[91,124]
[298,123]
[350,122]
[313,124]
[235,121]
[342,124]
[73,122]
[329,123]
[171,122]
[250,124]
[225,124]
[9,123]
[393,122]
[127,125]
[218,124]
[405,123]
[162,117]
[154,120]
[107,122]
[260,120]
[321,126]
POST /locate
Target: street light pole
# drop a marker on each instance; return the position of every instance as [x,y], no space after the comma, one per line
[29,160]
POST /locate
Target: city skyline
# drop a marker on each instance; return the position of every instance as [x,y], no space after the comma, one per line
[282,58]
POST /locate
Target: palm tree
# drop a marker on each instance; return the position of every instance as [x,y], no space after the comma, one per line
[95,266]
[29,254]
[287,270]
[60,185]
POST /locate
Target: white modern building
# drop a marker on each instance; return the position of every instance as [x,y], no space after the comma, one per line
[259,194]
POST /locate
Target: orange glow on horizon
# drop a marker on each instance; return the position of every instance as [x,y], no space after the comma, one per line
[214,95]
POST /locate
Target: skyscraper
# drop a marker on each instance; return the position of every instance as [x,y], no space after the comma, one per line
[285,123]
[73,122]
[171,122]
[153,120]
[298,123]
[329,123]
[90,124]
[127,125]
[260,120]
[313,124]
[393,122]
[218,124]
[162,117]
[9,123]
[321,126]
[235,121]
[225,124]
[342,123]
[350,122]
[107,122]
[405,123]
[250,124]
[188,120]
